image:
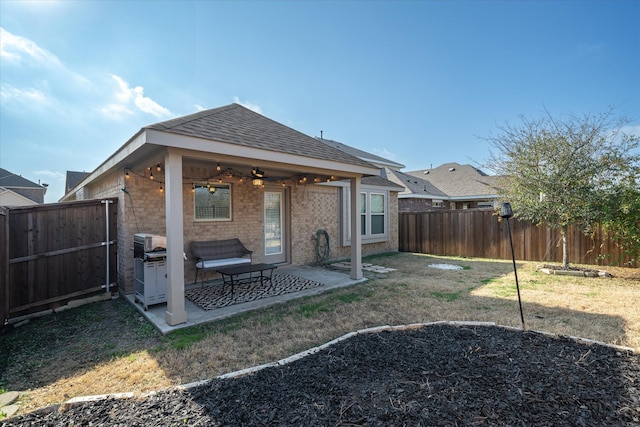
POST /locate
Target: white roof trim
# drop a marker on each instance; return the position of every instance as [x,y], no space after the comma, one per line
[258,154]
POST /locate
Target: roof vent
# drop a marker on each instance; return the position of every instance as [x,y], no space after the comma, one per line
[452,169]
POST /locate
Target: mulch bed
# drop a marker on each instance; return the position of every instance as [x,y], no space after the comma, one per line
[439,375]
[215,296]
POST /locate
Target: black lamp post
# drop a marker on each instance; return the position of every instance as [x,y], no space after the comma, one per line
[506,212]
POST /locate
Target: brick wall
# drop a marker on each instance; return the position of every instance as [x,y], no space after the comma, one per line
[312,207]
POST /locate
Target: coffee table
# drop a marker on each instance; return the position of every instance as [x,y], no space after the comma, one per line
[246,273]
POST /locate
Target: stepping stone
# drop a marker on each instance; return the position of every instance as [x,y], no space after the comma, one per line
[9,410]
[8,398]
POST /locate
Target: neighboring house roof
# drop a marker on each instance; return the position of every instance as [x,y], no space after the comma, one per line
[10,180]
[460,181]
[368,157]
[73,178]
[22,186]
[417,187]
[381,181]
[11,198]
[238,125]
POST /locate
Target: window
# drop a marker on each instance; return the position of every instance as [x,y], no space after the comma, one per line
[378,214]
[373,216]
[212,202]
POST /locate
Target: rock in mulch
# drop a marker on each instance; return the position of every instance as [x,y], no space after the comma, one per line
[439,375]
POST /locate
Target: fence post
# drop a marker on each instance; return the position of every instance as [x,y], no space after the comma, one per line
[107,241]
[4,263]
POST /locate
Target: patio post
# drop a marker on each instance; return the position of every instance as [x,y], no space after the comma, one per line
[356,239]
[176,312]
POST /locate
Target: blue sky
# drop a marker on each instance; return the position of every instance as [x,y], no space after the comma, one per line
[418,82]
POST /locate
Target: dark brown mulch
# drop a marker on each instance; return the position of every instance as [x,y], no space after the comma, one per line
[439,375]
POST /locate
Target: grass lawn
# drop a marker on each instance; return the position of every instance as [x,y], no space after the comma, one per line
[107,347]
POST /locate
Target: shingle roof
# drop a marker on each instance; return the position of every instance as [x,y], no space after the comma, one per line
[9,180]
[238,125]
[380,181]
[73,178]
[364,155]
[413,184]
[457,180]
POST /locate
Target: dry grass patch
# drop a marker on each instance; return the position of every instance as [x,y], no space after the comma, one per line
[105,347]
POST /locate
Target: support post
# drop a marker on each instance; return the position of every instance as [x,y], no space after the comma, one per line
[356,238]
[176,312]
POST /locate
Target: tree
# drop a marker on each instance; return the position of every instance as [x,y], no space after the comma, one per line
[621,215]
[560,172]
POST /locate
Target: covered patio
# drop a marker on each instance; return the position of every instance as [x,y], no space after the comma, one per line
[230,173]
[328,279]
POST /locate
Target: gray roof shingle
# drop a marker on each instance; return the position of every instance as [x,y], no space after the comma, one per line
[238,125]
[11,180]
[73,178]
[456,180]
[413,184]
[360,153]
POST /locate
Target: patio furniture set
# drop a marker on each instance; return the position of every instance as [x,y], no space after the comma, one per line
[232,260]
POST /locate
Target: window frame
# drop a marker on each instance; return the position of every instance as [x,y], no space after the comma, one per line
[200,185]
[368,237]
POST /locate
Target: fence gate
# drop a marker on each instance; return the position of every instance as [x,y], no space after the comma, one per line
[54,253]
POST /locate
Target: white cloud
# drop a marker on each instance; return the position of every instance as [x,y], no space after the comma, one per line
[115,111]
[126,98]
[199,107]
[10,93]
[57,176]
[147,105]
[631,130]
[18,49]
[384,153]
[124,95]
[249,105]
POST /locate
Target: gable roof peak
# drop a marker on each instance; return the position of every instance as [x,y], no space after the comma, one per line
[238,125]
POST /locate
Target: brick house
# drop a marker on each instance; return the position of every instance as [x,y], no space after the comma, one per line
[230,172]
[18,191]
[447,187]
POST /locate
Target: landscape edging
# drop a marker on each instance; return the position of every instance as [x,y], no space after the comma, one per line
[79,400]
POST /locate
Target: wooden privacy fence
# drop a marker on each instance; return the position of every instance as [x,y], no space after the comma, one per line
[53,253]
[480,233]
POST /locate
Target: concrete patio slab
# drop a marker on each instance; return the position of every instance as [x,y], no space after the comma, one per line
[330,279]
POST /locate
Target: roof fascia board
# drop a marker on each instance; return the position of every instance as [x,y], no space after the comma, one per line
[421,196]
[427,196]
[474,197]
[137,141]
[257,154]
[36,187]
[387,163]
[346,184]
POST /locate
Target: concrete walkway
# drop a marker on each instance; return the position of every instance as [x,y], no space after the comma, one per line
[331,279]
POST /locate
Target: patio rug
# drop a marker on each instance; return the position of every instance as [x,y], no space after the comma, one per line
[218,296]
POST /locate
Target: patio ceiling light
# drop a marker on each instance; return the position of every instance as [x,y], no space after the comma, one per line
[257,172]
